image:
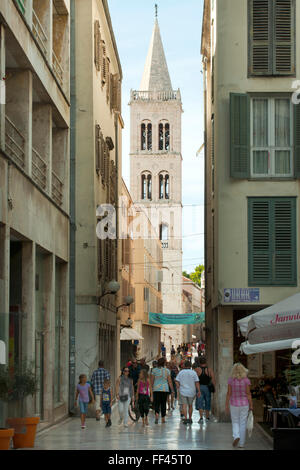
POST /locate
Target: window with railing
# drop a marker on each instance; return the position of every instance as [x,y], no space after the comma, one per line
[39,169]
[14,143]
[39,32]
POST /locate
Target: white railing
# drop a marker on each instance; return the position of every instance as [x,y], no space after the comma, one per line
[57,189]
[39,32]
[14,143]
[155,95]
[57,69]
[39,169]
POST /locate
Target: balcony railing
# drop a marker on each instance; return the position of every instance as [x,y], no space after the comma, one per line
[22,6]
[57,189]
[39,169]
[39,33]
[57,69]
[155,95]
[14,143]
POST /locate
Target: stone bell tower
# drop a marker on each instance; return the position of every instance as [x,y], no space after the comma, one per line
[156,170]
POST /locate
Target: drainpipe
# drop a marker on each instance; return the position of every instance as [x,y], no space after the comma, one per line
[118,319]
[72,212]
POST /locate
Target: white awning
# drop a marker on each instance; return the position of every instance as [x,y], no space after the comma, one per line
[275,322]
[128,334]
[2,353]
[248,348]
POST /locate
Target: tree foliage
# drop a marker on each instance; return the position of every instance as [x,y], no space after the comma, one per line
[196,275]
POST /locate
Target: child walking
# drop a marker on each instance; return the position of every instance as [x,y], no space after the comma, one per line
[83,390]
[144,395]
[106,402]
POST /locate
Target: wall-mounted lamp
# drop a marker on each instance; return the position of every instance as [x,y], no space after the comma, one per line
[112,288]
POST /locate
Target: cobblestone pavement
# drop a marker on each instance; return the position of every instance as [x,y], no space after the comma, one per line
[170,436]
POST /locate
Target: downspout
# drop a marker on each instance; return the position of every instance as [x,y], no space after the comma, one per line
[118,318]
[72,212]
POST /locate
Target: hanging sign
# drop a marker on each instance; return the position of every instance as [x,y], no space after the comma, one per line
[176,319]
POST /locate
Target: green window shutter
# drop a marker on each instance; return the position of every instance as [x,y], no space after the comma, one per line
[297,140]
[260,34]
[259,241]
[21,6]
[284,241]
[284,37]
[239,135]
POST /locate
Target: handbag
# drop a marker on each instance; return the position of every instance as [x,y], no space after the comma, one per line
[123,398]
[211,387]
[250,423]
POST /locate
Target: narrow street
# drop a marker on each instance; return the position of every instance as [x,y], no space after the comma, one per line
[171,436]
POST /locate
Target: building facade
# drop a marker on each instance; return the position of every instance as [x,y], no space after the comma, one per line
[142,276]
[98,125]
[156,165]
[34,198]
[252,128]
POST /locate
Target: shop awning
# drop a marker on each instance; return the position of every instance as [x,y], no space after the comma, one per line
[248,348]
[279,322]
[2,353]
[128,334]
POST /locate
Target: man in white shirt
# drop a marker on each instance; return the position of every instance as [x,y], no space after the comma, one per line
[187,382]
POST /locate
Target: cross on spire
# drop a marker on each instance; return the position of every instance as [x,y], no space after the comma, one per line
[156,10]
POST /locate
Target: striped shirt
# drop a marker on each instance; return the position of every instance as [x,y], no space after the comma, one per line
[239,391]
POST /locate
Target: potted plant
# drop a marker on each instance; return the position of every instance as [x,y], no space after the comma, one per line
[17,384]
[6,434]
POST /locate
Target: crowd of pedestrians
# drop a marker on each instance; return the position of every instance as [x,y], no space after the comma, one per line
[165,384]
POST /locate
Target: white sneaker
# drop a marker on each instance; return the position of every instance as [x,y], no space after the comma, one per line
[125,425]
[120,421]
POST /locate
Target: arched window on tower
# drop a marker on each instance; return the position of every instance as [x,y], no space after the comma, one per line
[143,137]
[167,137]
[149,137]
[146,186]
[164,136]
[146,136]
[164,185]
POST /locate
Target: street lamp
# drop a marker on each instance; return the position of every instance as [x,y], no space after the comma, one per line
[112,288]
[128,301]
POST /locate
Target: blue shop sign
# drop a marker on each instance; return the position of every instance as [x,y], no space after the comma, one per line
[242,295]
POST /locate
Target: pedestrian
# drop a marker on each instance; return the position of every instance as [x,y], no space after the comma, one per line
[83,390]
[207,385]
[160,382]
[125,394]
[144,395]
[174,372]
[97,381]
[144,365]
[188,384]
[163,350]
[134,372]
[240,401]
[170,398]
[106,402]
[173,350]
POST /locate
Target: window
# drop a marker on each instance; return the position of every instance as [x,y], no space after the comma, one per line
[271,137]
[164,186]
[164,136]
[272,34]
[265,136]
[146,136]
[163,232]
[146,186]
[272,241]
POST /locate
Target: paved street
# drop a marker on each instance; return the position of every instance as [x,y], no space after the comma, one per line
[171,436]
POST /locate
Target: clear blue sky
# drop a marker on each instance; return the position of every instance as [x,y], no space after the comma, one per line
[180,25]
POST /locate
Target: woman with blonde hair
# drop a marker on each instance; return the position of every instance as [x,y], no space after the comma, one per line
[240,401]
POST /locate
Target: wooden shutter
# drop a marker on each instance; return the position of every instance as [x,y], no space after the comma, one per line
[259,238]
[116,92]
[240,135]
[260,35]
[297,140]
[103,63]
[284,37]
[272,241]
[97,149]
[97,45]
[108,78]
[284,252]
